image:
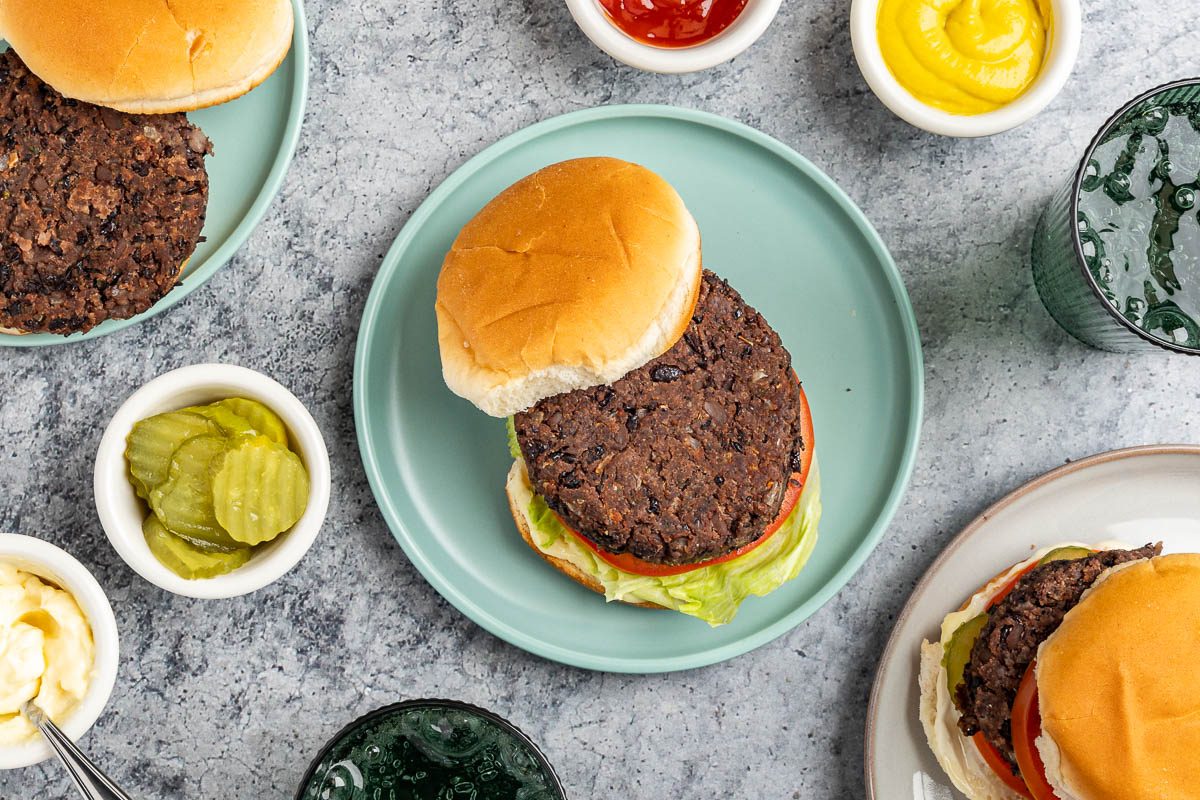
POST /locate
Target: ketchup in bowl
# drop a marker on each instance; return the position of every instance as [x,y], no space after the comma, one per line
[672,23]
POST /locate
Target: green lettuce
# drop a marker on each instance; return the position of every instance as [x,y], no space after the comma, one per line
[711,593]
[514,449]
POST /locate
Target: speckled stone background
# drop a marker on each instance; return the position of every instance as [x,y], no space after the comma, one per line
[232,699]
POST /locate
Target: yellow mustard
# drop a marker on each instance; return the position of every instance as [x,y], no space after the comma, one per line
[964,56]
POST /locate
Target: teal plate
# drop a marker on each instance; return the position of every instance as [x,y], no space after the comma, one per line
[797,249]
[254,139]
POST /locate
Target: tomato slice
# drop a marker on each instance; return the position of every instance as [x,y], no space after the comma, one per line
[633,564]
[1000,766]
[1026,727]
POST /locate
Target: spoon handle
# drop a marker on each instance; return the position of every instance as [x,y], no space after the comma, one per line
[87,777]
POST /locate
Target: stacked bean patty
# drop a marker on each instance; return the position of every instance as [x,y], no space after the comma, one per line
[99,209]
[684,459]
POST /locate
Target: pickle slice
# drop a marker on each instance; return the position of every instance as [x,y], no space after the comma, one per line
[185,559]
[152,442]
[1068,553]
[958,650]
[229,421]
[261,418]
[259,491]
[184,504]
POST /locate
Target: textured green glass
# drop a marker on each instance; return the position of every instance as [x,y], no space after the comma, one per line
[431,750]
[1116,254]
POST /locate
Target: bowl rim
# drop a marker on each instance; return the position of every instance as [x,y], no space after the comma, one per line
[50,562]
[1059,62]
[407,705]
[156,396]
[1077,188]
[744,31]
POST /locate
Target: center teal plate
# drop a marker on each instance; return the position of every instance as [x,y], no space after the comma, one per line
[796,248]
[254,138]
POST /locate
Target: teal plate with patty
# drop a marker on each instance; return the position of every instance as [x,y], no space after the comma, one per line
[797,249]
[254,138]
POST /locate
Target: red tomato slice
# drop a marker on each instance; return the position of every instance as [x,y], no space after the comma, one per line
[1026,727]
[1000,766]
[636,566]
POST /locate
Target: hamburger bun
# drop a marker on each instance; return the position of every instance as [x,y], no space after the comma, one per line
[569,278]
[150,56]
[518,492]
[1117,688]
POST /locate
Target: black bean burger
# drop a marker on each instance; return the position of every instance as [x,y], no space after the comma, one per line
[99,209]
[663,446]
[103,186]
[1071,676]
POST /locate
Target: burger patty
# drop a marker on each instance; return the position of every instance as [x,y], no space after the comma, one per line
[684,459]
[1015,629]
[98,209]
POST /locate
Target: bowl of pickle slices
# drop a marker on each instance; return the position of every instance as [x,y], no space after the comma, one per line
[212,481]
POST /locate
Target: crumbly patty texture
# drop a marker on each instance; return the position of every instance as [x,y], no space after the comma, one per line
[1015,629]
[98,209]
[684,459]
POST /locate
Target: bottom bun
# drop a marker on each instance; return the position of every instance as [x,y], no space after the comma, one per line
[955,753]
[515,476]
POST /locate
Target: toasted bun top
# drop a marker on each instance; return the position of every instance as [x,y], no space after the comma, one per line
[569,278]
[1117,686]
[150,56]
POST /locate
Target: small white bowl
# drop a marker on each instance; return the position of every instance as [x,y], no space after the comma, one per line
[43,559]
[122,511]
[744,31]
[1060,60]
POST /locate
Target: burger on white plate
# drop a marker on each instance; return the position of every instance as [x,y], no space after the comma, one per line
[1072,675]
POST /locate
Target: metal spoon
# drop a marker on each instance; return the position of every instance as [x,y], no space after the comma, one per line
[87,777]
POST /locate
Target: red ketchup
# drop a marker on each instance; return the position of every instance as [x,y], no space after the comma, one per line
[673,23]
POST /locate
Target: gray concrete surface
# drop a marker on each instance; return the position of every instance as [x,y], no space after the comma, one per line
[232,700]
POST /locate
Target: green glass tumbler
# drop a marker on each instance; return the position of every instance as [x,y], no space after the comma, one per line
[430,750]
[1116,253]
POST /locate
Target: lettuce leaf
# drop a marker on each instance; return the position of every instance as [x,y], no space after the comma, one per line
[514,449]
[712,593]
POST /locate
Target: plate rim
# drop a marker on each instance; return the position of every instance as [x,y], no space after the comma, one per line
[254,215]
[926,580]
[761,636]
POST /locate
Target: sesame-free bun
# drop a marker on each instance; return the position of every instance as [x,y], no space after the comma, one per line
[569,278]
[1118,689]
[150,56]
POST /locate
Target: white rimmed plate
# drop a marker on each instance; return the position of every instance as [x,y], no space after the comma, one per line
[1137,495]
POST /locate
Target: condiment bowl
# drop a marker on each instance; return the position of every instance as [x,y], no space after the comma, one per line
[122,511]
[1060,60]
[594,21]
[54,564]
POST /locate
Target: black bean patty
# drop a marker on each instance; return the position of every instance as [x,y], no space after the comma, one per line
[684,459]
[98,209]
[1015,629]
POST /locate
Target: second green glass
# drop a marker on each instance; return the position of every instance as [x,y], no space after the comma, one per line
[1116,254]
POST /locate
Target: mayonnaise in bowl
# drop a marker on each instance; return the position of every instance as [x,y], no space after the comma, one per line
[47,652]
